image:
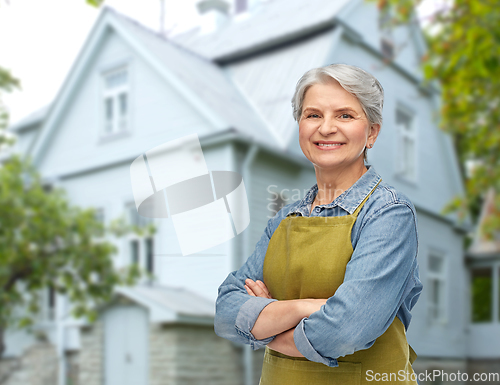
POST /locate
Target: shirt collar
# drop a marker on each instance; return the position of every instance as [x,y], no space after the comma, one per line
[349,200]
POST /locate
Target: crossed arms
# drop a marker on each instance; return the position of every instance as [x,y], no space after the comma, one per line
[280,318]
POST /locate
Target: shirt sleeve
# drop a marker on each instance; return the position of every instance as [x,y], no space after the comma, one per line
[235,310]
[377,280]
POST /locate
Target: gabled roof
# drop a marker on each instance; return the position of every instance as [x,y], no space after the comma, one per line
[200,81]
[272,23]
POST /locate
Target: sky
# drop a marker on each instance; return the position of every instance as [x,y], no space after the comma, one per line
[40,40]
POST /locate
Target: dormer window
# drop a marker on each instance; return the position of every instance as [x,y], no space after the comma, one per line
[115,101]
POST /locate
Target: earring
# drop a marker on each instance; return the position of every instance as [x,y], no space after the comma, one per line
[370,145]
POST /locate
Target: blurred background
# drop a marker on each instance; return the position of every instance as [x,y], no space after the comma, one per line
[93,293]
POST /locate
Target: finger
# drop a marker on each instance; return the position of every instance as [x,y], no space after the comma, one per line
[264,287]
[249,291]
[257,290]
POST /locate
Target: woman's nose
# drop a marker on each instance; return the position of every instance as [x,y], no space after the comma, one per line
[328,126]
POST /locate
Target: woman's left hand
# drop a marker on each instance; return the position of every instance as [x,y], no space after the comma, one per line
[257,288]
[285,344]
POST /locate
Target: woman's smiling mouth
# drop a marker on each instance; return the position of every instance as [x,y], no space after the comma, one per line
[326,146]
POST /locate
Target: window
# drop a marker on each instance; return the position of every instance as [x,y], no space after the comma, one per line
[406,151]
[99,217]
[134,218]
[436,273]
[115,101]
[48,304]
[482,294]
[148,243]
[141,249]
[134,251]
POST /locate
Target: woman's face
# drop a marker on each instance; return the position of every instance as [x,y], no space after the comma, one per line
[332,115]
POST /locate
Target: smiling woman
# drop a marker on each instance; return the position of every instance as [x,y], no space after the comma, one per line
[330,286]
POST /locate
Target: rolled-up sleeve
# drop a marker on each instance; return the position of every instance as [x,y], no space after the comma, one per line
[235,310]
[378,278]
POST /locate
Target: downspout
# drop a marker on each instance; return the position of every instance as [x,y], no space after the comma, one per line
[60,328]
[245,173]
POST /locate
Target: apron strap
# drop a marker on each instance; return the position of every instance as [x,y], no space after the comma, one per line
[358,209]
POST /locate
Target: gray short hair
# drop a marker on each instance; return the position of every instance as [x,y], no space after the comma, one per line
[354,80]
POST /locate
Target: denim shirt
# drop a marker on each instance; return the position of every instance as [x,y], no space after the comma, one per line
[381,279]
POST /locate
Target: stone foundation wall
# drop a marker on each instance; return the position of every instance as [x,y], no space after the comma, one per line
[91,356]
[38,366]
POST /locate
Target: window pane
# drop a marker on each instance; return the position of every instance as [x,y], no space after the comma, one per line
[403,120]
[134,218]
[149,255]
[108,114]
[435,263]
[122,102]
[482,290]
[134,252]
[116,79]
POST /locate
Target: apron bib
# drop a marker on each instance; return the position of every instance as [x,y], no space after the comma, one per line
[306,258]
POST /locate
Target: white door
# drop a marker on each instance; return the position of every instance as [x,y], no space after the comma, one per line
[126,345]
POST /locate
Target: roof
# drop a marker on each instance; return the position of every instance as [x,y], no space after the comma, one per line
[31,119]
[171,304]
[203,77]
[274,22]
[201,82]
[482,247]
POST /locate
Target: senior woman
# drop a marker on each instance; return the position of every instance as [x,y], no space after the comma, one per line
[330,285]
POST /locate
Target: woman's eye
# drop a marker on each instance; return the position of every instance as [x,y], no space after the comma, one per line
[346,116]
[313,116]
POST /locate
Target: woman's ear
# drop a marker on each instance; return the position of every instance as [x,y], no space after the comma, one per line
[374,131]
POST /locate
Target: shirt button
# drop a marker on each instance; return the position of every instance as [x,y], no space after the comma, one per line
[317,209]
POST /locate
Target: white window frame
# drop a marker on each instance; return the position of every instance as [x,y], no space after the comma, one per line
[114,94]
[141,250]
[403,134]
[495,287]
[442,277]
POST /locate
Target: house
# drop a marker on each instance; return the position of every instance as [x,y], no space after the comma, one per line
[483,262]
[230,81]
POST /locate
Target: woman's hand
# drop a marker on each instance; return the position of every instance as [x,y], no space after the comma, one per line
[285,344]
[257,288]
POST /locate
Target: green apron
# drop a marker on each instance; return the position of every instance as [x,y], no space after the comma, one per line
[306,258]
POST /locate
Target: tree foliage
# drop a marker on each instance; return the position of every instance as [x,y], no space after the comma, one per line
[46,242]
[463,56]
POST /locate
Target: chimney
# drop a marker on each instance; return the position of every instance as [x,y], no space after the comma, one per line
[243,6]
[213,14]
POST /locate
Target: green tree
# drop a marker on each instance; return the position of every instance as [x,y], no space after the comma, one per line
[463,39]
[46,242]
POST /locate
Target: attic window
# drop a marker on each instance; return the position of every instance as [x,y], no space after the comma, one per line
[115,101]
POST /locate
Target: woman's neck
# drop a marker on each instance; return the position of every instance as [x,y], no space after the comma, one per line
[332,183]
